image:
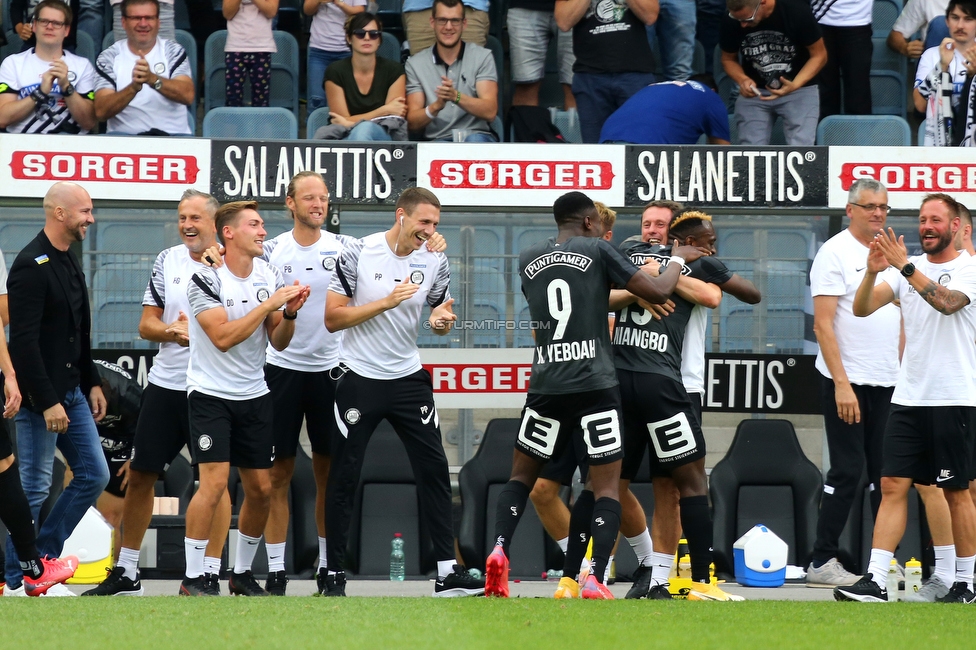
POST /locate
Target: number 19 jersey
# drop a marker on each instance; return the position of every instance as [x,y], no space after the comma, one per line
[567,286]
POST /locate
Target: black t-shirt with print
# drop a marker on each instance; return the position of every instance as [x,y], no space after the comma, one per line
[777,46]
[610,38]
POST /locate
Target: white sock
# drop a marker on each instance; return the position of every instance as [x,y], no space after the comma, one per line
[195,550]
[945,563]
[643,547]
[129,560]
[212,565]
[276,556]
[323,557]
[445,568]
[563,543]
[879,565]
[661,564]
[964,569]
[606,573]
[247,548]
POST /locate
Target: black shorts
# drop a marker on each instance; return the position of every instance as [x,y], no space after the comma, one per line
[549,422]
[562,468]
[696,400]
[162,430]
[932,445]
[657,416]
[298,396]
[117,452]
[6,446]
[238,432]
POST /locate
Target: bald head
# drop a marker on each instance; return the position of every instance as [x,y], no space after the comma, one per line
[68,213]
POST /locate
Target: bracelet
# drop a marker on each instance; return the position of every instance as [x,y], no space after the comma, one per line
[39,96]
[677,260]
[428,113]
[457,100]
[284,314]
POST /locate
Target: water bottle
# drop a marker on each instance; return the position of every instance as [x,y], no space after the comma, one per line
[891,584]
[397,567]
[913,576]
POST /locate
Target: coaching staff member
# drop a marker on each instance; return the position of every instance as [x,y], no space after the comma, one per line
[50,329]
[377,293]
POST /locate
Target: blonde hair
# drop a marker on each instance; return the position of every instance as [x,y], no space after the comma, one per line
[608,217]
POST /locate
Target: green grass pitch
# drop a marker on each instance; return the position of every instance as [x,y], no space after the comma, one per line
[304,622]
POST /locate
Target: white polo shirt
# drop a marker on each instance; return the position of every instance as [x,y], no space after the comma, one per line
[313,348]
[149,109]
[171,275]
[385,346]
[237,374]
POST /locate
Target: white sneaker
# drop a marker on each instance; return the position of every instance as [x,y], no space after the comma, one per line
[58,590]
[19,592]
[831,574]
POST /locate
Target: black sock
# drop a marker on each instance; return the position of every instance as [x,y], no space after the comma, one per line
[16,516]
[509,511]
[579,533]
[696,521]
[604,529]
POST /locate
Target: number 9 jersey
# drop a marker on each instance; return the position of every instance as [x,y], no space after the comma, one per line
[567,286]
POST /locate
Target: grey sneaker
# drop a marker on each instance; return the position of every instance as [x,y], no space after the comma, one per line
[831,574]
[932,589]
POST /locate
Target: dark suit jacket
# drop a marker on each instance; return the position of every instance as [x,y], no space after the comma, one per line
[42,327]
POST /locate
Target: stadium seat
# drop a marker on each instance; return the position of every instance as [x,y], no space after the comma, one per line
[920,142]
[884,15]
[937,31]
[284,72]
[85,46]
[250,122]
[107,40]
[765,478]
[504,92]
[568,124]
[481,481]
[318,118]
[884,58]
[13,44]
[117,290]
[389,47]
[728,90]
[389,12]
[888,93]
[386,503]
[864,130]
[15,234]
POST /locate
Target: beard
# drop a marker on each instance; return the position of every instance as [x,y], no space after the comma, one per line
[944,241]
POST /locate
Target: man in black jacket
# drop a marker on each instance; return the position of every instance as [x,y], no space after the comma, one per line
[50,327]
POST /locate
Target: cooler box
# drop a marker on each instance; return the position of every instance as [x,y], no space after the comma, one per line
[760,558]
[91,541]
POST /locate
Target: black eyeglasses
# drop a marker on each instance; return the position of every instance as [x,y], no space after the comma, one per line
[363,33]
[453,22]
[871,207]
[47,22]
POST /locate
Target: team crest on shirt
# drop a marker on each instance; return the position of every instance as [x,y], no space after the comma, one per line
[945,279]
[352,416]
[71,76]
[328,263]
[159,68]
[417,277]
[263,294]
[205,442]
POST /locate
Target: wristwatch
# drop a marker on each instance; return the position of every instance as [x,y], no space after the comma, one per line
[158,84]
[68,91]
[908,270]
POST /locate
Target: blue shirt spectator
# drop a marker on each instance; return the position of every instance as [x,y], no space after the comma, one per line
[682,111]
